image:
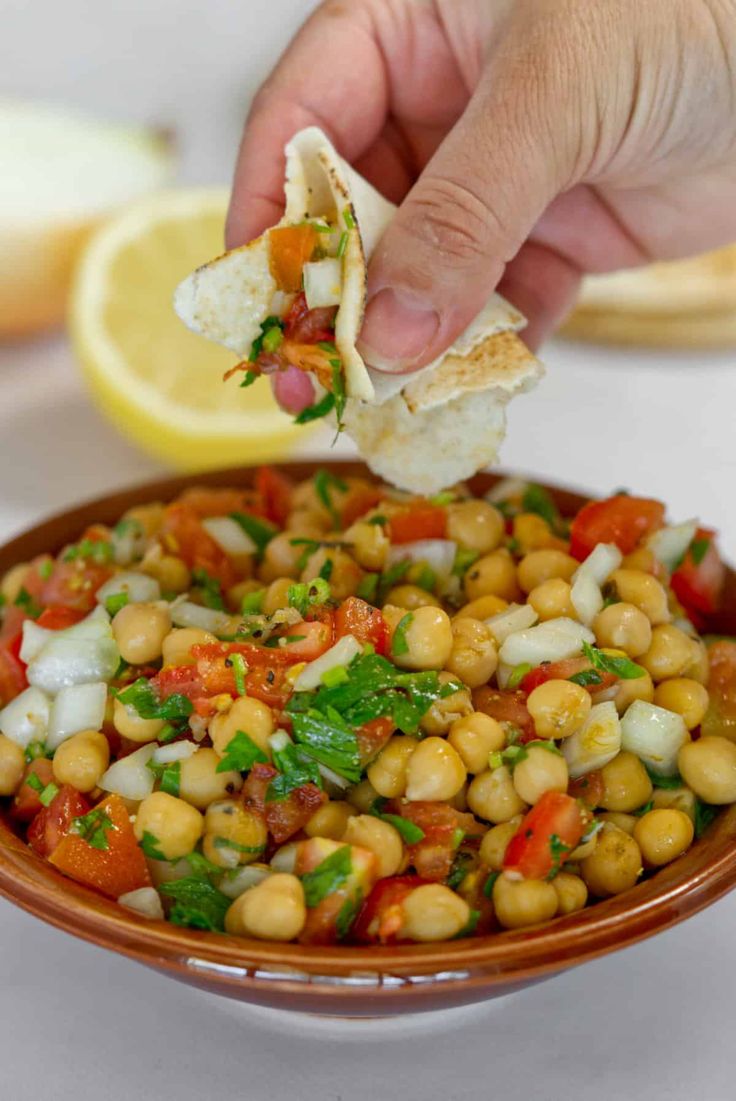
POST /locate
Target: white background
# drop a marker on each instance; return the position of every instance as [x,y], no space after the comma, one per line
[654,1022]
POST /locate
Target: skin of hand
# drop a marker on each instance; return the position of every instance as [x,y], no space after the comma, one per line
[527,141]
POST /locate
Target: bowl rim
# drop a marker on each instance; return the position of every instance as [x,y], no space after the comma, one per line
[317,974]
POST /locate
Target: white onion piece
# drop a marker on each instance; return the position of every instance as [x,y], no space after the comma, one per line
[596,743]
[655,735]
[128,542]
[229,535]
[177,751]
[95,625]
[554,640]
[237,883]
[186,614]
[77,707]
[342,653]
[323,283]
[138,587]
[505,489]
[146,901]
[34,640]
[600,563]
[284,860]
[586,598]
[669,544]
[65,661]
[26,718]
[129,777]
[503,674]
[517,617]
[278,741]
[438,554]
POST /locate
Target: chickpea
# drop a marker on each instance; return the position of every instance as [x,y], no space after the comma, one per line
[531,532]
[331,819]
[433,912]
[176,825]
[492,796]
[492,575]
[475,525]
[685,697]
[171,573]
[346,574]
[540,770]
[625,822]
[12,582]
[282,556]
[623,627]
[663,835]
[201,784]
[626,783]
[276,595]
[615,865]
[130,725]
[643,560]
[380,838]
[369,543]
[572,894]
[670,653]
[177,646]
[435,771]
[644,592]
[522,902]
[447,710]
[248,715]
[308,520]
[272,910]
[708,766]
[140,630]
[304,497]
[678,798]
[483,608]
[237,593]
[552,599]
[495,843]
[388,773]
[474,736]
[12,766]
[233,834]
[427,634]
[411,597]
[544,565]
[474,656]
[584,849]
[638,688]
[362,796]
[558,708]
[149,517]
[699,670]
[81,760]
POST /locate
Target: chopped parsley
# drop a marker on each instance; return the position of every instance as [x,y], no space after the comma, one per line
[248,379]
[586,677]
[424,576]
[45,569]
[169,774]
[464,559]
[114,603]
[209,588]
[27,604]
[96,550]
[624,668]
[324,482]
[328,876]
[698,550]
[536,499]
[35,750]
[391,577]
[558,850]
[399,644]
[379,521]
[446,497]
[260,531]
[328,739]
[94,828]
[141,697]
[518,673]
[705,813]
[197,903]
[149,843]
[462,865]
[667,783]
[295,770]
[470,925]
[644,810]
[241,753]
[368,587]
[259,344]
[320,409]
[347,914]
[226,843]
[488,885]
[411,834]
[325,570]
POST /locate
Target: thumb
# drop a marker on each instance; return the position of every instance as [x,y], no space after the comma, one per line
[471,210]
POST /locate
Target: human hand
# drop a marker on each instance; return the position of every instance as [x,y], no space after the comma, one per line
[528,141]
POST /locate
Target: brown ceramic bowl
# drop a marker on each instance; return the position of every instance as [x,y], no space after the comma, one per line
[357,981]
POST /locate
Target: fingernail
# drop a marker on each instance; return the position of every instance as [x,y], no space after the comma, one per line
[293,389]
[397,330]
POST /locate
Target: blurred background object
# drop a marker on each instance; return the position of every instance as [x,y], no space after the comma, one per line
[680,304]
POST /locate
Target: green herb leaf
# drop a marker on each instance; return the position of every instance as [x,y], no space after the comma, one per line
[150,845]
[97,550]
[624,668]
[368,587]
[320,409]
[257,346]
[249,378]
[169,773]
[34,782]
[93,828]
[226,843]
[667,783]
[586,677]
[141,697]
[518,673]
[296,770]
[198,904]
[698,550]
[536,499]
[33,751]
[559,851]
[446,497]
[328,876]
[209,588]
[399,645]
[391,577]
[272,339]
[644,810]
[411,834]
[488,885]
[241,753]
[114,603]
[48,794]
[168,733]
[327,738]
[324,482]
[347,914]
[470,925]
[705,813]
[46,568]
[461,866]
[252,603]
[424,576]
[27,604]
[464,559]
[260,531]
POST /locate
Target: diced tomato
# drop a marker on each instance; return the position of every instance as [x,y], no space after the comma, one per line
[546,835]
[419,520]
[361,497]
[720,718]
[182,534]
[269,684]
[57,618]
[215,501]
[373,736]
[589,789]
[443,827]
[26,803]
[504,707]
[73,584]
[52,822]
[274,493]
[115,870]
[305,326]
[622,520]
[290,247]
[323,925]
[563,670]
[381,916]
[284,817]
[364,622]
[12,671]
[698,585]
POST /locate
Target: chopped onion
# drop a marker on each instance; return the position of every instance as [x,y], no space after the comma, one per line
[128,543]
[138,587]
[503,674]
[186,614]
[323,283]
[596,743]
[438,554]
[655,735]
[229,535]
[284,860]
[177,751]
[670,544]
[34,640]
[600,563]
[146,901]
[129,777]
[278,741]
[65,661]
[554,640]
[77,707]
[586,597]
[26,718]
[95,626]
[515,618]
[237,883]
[341,654]
[505,489]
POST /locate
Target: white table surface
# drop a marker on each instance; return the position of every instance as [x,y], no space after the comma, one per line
[653,1022]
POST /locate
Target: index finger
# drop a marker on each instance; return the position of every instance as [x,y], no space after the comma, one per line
[332,76]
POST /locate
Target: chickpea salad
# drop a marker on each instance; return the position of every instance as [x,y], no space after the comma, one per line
[329,712]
